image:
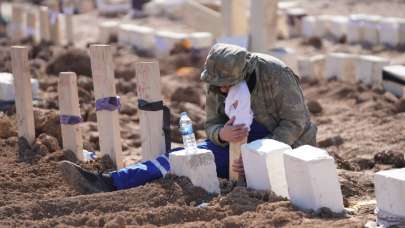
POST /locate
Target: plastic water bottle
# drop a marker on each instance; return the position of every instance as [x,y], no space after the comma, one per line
[186,130]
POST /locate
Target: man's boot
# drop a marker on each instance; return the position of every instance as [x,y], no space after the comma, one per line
[84,181]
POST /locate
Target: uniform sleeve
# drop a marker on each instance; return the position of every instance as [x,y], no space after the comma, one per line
[290,106]
[215,120]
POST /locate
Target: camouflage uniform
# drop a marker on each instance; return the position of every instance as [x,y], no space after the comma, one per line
[277,100]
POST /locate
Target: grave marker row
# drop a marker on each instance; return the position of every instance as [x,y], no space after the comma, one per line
[24,24]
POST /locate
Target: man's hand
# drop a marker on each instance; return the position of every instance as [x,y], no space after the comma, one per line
[238,167]
[233,133]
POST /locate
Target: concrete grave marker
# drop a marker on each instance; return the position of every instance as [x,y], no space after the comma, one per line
[369,69]
[355,29]
[338,27]
[294,17]
[17,26]
[140,37]
[312,179]
[165,41]
[390,191]
[263,162]
[107,30]
[394,79]
[7,90]
[389,31]
[311,67]
[371,27]
[340,66]
[401,28]
[287,55]
[199,167]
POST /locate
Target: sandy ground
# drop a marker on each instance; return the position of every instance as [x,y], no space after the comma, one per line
[362,128]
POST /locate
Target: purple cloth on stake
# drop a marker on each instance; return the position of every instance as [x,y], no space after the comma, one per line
[71,120]
[108,103]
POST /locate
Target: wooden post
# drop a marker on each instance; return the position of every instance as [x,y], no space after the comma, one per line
[151,123]
[234,154]
[104,86]
[263,25]
[234,17]
[32,25]
[54,22]
[23,93]
[69,105]
[69,28]
[17,26]
[44,24]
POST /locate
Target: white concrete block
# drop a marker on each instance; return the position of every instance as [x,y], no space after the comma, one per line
[371,27]
[394,79]
[369,69]
[310,28]
[401,28]
[390,191]
[107,29]
[340,66]
[287,55]
[199,168]
[111,7]
[294,17]
[264,165]
[165,41]
[7,92]
[311,67]
[312,179]
[140,37]
[388,31]
[339,27]
[201,40]
[355,29]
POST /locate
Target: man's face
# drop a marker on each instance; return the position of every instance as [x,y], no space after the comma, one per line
[225,89]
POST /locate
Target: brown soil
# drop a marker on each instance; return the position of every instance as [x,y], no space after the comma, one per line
[362,128]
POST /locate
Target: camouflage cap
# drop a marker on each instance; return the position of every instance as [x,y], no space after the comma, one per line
[225,65]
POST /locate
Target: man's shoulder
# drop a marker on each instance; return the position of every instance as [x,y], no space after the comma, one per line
[269,60]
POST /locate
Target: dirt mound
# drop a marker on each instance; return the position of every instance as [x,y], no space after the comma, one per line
[75,60]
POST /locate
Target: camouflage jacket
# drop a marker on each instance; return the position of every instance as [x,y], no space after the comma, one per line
[277,100]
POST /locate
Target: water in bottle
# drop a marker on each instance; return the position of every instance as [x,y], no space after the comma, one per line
[186,130]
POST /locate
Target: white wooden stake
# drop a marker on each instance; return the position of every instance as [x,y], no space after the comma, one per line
[234,17]
[32,25]
[234,154]
[148,88]
[44,24]
[23,93]
[69,105]
[54,22]
[69,28]
[17,18]
[263,25]
[104,86]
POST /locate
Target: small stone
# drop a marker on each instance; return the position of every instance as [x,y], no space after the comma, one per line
[7,129]
[331,141]
[49,141]
[390,97]
[128,109]
[400,105]
[314,106]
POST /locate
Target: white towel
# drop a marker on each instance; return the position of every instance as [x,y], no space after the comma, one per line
[237,103]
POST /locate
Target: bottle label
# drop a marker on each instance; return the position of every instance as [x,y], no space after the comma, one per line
[186,130]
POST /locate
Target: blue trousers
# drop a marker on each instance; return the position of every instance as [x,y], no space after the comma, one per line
[141,173]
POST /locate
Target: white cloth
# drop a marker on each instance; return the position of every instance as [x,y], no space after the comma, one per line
[237,103]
